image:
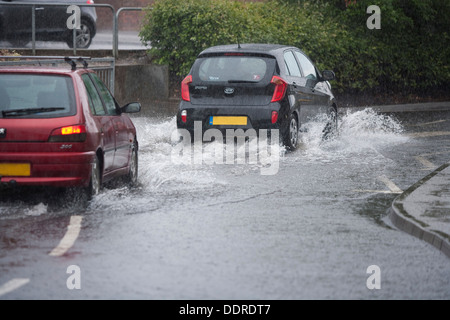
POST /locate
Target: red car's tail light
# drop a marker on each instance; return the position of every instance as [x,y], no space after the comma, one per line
[184,116]
[280,88]
[75,133]
[185,88]
[73,130]
[274,117]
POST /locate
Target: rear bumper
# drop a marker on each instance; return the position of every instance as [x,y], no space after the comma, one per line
[50,169]
[259,117]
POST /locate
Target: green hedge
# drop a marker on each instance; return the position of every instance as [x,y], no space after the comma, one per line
[411,51]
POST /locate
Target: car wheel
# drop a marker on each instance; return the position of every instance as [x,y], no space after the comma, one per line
[331,127]
[291,134]
[95,180]
[84,35]
[132,177]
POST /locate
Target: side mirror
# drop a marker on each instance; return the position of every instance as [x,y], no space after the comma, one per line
[132,107]
[328,75]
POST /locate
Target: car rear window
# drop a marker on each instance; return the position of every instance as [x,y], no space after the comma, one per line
[232,69]
[36,96]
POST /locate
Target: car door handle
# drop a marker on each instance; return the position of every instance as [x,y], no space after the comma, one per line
[38,9]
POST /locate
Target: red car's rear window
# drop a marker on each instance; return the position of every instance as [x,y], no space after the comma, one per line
[36,96]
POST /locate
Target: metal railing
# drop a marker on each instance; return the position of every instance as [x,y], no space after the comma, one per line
[115,16]
[116,28]
[106,73]
[104,67]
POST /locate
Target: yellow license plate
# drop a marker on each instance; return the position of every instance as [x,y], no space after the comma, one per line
[223,121]
[15,169]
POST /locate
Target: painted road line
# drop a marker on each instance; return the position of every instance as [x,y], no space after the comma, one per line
[391,185]
[73,230]
[375,191]
[427,164]
[428,123]
[12,285]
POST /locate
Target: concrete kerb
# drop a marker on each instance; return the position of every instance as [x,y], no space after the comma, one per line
[412,225]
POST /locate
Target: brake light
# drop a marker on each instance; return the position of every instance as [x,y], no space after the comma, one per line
[73,130]
[280,88]
[75,133]
[274,117]
[185,88]
[184,116]
[90,1]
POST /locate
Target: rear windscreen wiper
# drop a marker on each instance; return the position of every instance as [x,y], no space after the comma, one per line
[21,112]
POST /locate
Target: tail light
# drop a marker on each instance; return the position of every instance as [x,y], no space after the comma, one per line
[75,133]
[185,88]
[274,117]
[184,116]
[280,88]
[90,1]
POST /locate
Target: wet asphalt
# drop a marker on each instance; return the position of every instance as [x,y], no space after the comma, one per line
[311,230]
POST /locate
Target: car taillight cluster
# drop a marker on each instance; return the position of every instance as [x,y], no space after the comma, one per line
[90,1]
[280,88]
[76,133]
[185,88]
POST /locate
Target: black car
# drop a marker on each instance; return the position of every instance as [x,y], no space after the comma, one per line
[256,86]
[50,21]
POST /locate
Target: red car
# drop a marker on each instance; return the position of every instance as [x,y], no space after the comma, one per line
[61,127]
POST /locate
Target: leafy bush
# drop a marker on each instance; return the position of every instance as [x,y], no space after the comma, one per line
[411,51]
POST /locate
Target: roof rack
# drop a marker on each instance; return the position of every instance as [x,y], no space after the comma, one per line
[71,60]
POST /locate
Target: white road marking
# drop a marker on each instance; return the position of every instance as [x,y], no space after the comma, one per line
[391,185]
[428,123]
[427,164]
[374,191]
[73,230]
[12,285]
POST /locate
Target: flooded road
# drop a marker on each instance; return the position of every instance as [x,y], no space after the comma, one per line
[209,230]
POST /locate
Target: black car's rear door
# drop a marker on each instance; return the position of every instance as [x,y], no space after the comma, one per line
[52,18]
[313,84]
[16,18]
[299,87]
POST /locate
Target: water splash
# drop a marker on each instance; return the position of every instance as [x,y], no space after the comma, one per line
[360,137]
[359,133]
[36,210]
